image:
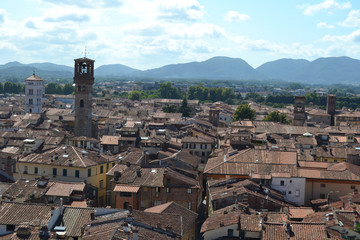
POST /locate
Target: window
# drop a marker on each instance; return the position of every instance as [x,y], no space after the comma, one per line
[30,101]
[89,172]
[125,194]
[290,181]
[189,190]
[81,103]
[352,187]
[297,193]
[289,192]
[282,183]
[10,228]
[168,190]
[189,205]
[79,88]
[36,170]
[54,171]
[77,173]
[25,169]
[101,169]
[157,189]
[101,184]
[323,185]
[64,172]
[31,92]
[230,232]
[38,92]
[113,164]
[322,195]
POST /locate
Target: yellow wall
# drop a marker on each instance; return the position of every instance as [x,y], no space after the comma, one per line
[47,170]
[334,188]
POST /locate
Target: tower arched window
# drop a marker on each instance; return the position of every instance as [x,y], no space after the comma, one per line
[81,103]
[79,88]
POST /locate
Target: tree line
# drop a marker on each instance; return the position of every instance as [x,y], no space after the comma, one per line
[51,88]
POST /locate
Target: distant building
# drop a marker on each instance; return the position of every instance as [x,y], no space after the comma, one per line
[34,91]
[299,111]
[83,79]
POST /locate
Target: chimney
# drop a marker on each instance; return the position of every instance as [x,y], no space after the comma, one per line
[61,206]
[70,162]
[92,215]
[52,159]
[56,156]
[138,172]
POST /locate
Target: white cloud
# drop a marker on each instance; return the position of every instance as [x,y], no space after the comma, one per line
[3,15]
[179,10]
[353,19]
[233,16]
[326,5]
[325,25]
[352,37]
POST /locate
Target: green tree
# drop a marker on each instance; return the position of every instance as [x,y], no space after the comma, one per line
[166,90]
[135,95]
[244,111]
[276,116]
[184,108]
[51,88]
[68,89]
[170,109]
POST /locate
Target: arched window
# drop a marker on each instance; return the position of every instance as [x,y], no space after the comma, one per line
[81,103]
[79,88]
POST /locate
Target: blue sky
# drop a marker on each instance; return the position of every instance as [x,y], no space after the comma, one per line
[146,34]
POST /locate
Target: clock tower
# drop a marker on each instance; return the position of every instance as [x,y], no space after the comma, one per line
[83,80]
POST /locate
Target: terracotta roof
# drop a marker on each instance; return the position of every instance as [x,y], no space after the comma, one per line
[34,78]
[221,220]
[79,157]
[75,218]
[63,189]
[300,212]
[126,188]
[110,140]
[189,217]
[303,231]
[12,213]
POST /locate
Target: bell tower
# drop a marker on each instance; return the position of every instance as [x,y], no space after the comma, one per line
[83,80]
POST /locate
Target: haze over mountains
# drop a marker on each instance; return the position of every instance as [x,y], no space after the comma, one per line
[322,71]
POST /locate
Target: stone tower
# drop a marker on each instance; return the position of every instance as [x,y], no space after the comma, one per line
[299,111]
[331,107]
[214,116]
[83,80]
[34,91]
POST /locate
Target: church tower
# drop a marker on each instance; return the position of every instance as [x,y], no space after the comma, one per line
[83,80]
[34,92]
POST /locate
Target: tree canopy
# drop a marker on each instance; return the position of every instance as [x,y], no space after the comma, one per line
[244,111]
[276,116]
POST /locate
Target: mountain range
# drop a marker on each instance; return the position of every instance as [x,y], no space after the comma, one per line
[329,70]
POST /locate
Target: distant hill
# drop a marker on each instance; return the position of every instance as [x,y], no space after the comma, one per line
[216,68]
[320,71]
[283,69]
[16,70]
[115,70]
[329,70]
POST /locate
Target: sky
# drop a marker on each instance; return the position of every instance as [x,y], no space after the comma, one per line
[145,34]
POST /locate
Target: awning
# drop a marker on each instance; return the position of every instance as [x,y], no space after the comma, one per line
[126,188]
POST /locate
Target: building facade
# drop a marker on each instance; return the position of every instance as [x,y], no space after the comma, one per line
[83,80]
[34,91]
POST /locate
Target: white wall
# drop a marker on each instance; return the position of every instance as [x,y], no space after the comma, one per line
[291,187]
[3,230]
[221,232]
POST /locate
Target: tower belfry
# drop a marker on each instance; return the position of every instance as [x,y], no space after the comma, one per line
[83,80]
